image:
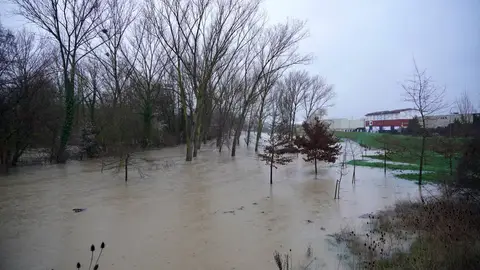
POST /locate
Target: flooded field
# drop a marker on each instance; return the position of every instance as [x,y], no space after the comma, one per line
[216,213]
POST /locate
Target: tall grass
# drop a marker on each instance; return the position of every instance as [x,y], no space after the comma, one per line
[441,233]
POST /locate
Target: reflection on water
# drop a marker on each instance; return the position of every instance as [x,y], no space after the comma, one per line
[216,213]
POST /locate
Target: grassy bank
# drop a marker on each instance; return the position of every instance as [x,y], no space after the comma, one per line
[438,234]
[405,149]
[430,174]
[368,139]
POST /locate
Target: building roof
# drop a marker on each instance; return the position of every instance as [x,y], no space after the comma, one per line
[388,112]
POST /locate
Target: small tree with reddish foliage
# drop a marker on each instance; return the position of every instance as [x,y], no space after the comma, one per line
[318,143]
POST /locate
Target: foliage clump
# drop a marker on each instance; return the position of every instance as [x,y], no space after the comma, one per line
[318,143]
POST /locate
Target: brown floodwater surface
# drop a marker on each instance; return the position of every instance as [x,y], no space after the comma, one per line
[216,213]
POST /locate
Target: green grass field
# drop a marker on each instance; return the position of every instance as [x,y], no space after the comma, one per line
[405,149]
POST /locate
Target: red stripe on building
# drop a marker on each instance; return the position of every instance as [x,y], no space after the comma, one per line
[387,123]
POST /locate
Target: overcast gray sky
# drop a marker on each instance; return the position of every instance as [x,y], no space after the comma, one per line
[365,48]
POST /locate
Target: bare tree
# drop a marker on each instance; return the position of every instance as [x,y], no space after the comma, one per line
[428,99]
[354,150]
[270,55]
[76,27]
[27,95]
[279,145]
[465,107]
[266,87]
[317,98]
[149,75]
[297,84]
[114,56]
[201,34]
[342,171]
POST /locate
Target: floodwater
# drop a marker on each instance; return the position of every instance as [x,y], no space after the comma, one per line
[215,213]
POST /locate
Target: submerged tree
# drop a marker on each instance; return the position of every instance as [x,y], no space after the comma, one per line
[318,143]
[76,28]
[386,148]
[354,150]
[279,143]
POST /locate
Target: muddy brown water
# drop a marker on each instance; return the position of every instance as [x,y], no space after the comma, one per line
[216,213]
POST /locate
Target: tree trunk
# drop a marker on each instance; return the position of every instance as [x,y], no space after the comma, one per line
[188,136]
[219,136]
[384,161]
[249,129]
[293,130]
[271,169]
[126,167]
[260,122]
[198,125]
[196,140]
[238,130]
[4,160]
[147,124]
[234,143]
[316,167]
[450,164]
[422,154]
[188,128]
[259,135]
[68,121]
[92,105]
[354,169]
[18,153]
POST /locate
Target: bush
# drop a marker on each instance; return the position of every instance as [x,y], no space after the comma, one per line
[468,171]
[441,233]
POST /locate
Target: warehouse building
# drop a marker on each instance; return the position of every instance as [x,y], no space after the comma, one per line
[389,120]
[344,124]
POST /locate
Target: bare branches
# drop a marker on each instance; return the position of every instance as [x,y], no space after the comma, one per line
[465,107]
[114,56]
[191,67]
[427,98]
[318,97]
[75,25]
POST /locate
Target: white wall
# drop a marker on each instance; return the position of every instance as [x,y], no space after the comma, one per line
[345,124]
[440,120]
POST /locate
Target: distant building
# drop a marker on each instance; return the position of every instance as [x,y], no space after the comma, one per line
[344,124]
[436,121]
[389,120]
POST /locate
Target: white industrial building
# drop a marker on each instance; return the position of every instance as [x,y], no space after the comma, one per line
[344,124]
[436,121]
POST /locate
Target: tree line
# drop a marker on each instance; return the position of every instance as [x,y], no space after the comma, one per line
[114,76]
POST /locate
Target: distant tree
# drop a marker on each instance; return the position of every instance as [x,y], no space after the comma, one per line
[387,144]
[279,143]
[427,98]
[318,143]
[364,149]
[448,147]
[413,127]
[355,150]
[465,108]
[468,170]
[76,28]
[317,98]
[342,171]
